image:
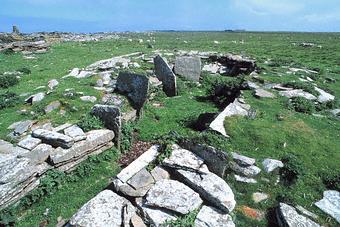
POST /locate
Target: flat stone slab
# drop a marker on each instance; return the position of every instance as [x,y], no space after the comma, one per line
[288,216]
[39,154]
[157,217]
[261,93]
[270,165]
[75,132]
[211,217]
[53,138]
[297,93]
[248,171]
[234,109]
[106,209]
[29,143]
[245,179]
[243,160]
[188,67]
[330,204]
[164,73]
[324,96]
[174,196]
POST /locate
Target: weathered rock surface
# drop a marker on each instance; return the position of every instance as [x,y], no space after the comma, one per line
[211,217]
[52,84]
[288,216]
[243,160]
[21,127]
[39,154]
[35,98]
[164,73]
[235,64]
[188,67]
[159,173]
[173,195]
[29,143]
[330,204]
[87,98]
[261,93]
[297,93]
[193,172]
[106,209]
[259,197]
[270,165]
[245,179]
[52,106]
[248,171]
[157,217]
[53,138]
[135,86]
[75,132]
[234,109]
[324,96]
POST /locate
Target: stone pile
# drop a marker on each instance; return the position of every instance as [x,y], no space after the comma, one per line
[63,147]
[180,184]
[32,47]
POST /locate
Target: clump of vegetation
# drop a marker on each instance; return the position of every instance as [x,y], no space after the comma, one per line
[7,51]
[127,137]
[7,81]
[331,179]
[185,221]
[166,141]
[292,170]
[307,87]
[301,104]
[7,217]
[89,122]
[327,105]
[8,99]
[24,70]
[223,90]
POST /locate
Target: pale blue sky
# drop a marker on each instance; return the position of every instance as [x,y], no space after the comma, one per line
[141,15]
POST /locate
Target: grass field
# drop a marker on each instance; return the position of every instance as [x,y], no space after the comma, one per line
[310,142]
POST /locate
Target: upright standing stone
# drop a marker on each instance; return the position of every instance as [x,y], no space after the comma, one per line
[188,67]
[111,116]
[165,74]
[135,86]
[15,30]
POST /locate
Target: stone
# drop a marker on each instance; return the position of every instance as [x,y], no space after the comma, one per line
[211,68]
[35,98]
[88,98]
[118,62]
[252,86]
[53,138]
[288,216]
[297,93]
[261,93]
[215,159]
[243,160]
[211,217]
[111,116]
[52,84]
[39,154]
[270,165]
[335,112]
[95,140]
[75,132]
[245,179]
[259,197]
[138,185]
[84,74]
[21,127]
[137,221]
[62,127]
[135,86]
[29,143]
[324,96]
[330,204]
[188,67]
[233,109]
[140,163]
[114,100]
[74,73]
[106,209]
[306,212]
[52,106]
[235,64]
[173,195]
[248,171]
[164,73]
[159,173]
[157,217]
[191,170]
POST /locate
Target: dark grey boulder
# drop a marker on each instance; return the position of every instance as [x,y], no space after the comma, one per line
[165,74]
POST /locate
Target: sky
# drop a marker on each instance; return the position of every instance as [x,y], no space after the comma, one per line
[147,15]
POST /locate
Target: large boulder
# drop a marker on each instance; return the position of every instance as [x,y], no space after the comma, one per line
[165,74]
[135,86]
[173,195]
[106,209]
[188,67]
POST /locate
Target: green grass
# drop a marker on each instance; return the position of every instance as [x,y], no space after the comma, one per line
[276,132]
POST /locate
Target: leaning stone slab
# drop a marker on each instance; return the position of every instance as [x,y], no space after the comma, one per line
[211,217]
[159,173]
[288,216]
[173,195]
[106,209]
[215,159]
[94,141]
[21,127]
[330,204]
[234,109]
[135,86]
[188,67]
[53,138]
[193,172]
[165,74]
[39,154]
[112,118]
[29,143]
